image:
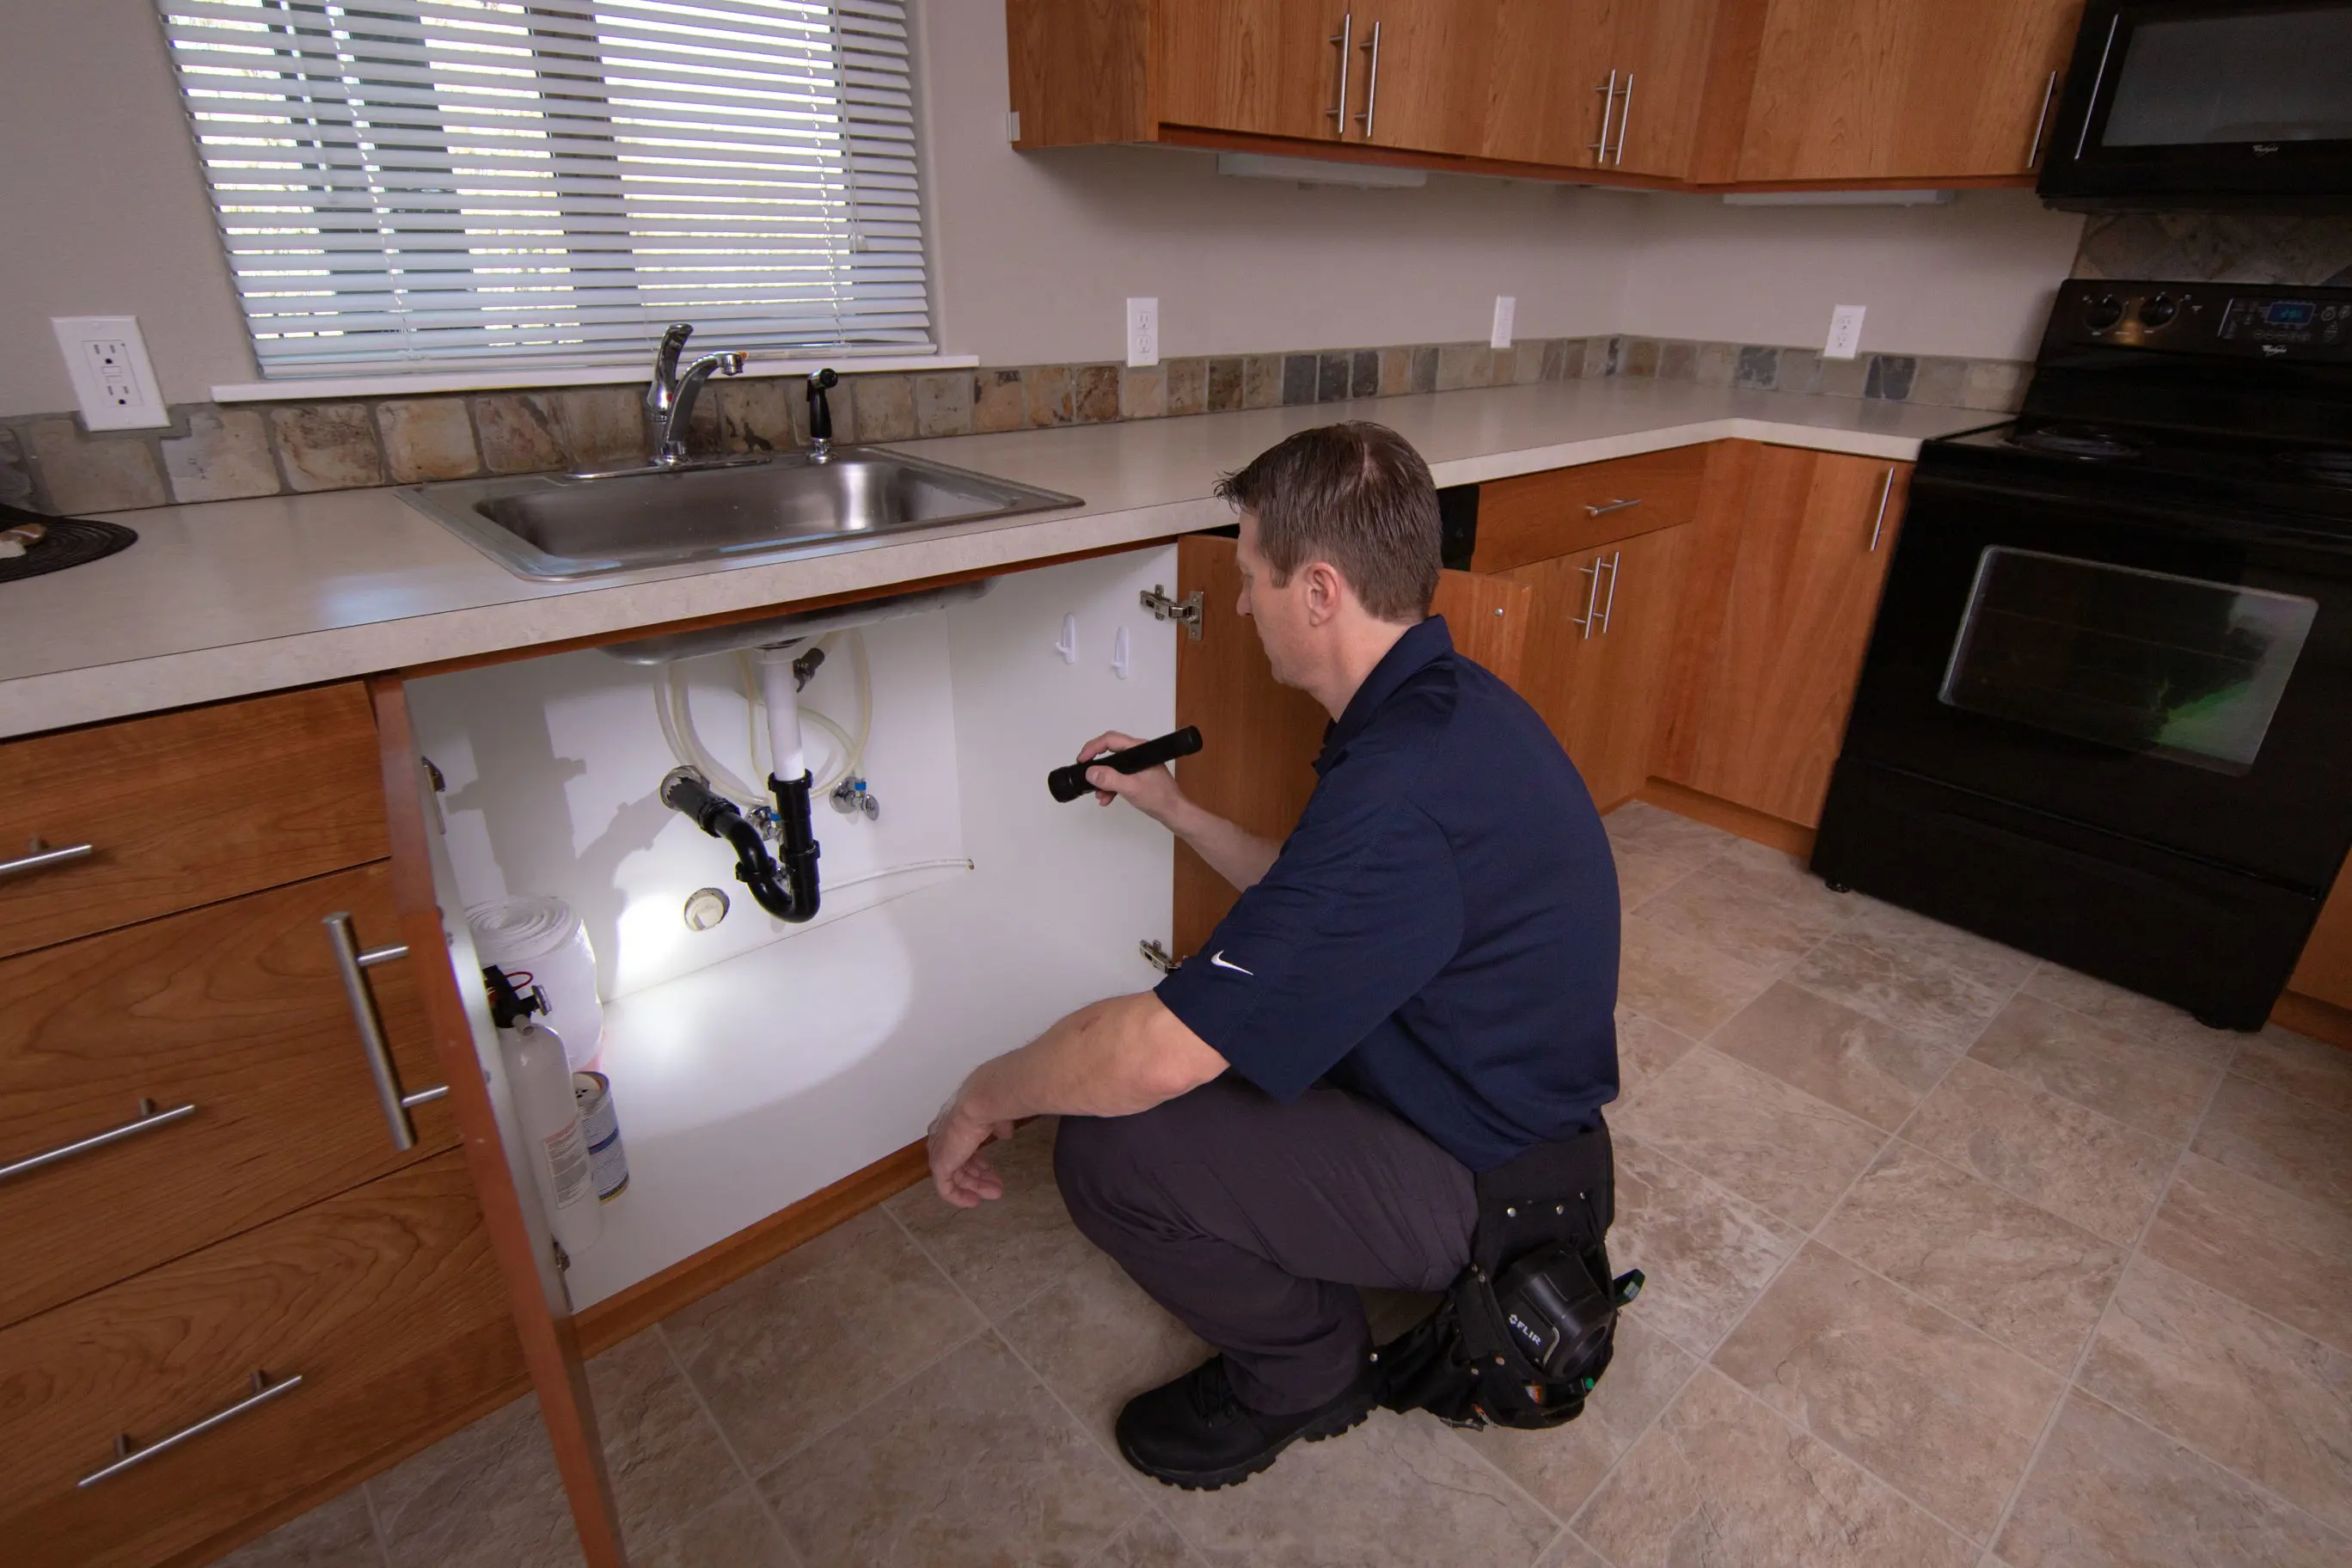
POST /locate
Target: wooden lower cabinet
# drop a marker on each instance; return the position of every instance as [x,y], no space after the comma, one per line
[236,1010]
[1602,629]
[2325,971]
[181,809]
[1768,672]
[384,1301]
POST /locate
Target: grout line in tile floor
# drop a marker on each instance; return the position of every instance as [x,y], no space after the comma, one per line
[1811,1237]
[758,1494]
[1145,1502]
[2091,1340]
[375,1521]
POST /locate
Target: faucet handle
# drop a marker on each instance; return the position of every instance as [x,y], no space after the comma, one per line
[673,343]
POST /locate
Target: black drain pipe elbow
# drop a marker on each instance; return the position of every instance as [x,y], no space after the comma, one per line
[790,895]
[798,841]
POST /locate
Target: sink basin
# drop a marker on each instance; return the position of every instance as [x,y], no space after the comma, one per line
[555,527]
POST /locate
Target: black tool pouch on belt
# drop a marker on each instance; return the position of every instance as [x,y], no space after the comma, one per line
[1526,1329]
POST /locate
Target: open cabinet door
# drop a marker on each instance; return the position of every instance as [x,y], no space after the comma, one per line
[542,1318]
[1256,762]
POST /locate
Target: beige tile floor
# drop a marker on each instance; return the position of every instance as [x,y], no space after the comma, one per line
[1953,1259]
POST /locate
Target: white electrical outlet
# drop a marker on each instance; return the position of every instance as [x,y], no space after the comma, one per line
[112,378]
[1142,331]
[1845,332]
[1506,305]
[1012,125]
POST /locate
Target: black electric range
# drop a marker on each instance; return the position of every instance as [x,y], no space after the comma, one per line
[2105,715]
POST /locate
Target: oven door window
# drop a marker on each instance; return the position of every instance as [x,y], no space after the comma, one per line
[2174,667]
[2256,77]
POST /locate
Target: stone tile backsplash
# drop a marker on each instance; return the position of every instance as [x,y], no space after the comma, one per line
[2218,247]
[214,453]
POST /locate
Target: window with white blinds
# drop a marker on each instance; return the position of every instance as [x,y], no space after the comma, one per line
[411,184]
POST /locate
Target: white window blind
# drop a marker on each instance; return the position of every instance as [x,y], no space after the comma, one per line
[412,184]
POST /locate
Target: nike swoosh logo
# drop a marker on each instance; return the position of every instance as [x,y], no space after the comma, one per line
[1218,959]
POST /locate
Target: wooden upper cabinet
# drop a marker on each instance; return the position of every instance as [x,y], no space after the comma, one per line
[1669,80]
[1904,90]
[1760,717]
[1541,105]
[1267,67]
[1711,93]
[1419,80]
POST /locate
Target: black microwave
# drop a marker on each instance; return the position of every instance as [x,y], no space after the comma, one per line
[2206,103]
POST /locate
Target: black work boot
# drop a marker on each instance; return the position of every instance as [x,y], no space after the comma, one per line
[1196,1433]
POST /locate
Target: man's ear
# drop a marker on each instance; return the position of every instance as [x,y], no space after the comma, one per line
[1327,590]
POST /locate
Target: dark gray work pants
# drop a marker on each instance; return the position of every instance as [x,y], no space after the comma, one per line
[1255,1221]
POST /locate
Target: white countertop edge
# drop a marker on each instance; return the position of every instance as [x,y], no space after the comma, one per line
[97,692]
[58,700]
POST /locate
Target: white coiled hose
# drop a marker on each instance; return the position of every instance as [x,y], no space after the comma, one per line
[672,707]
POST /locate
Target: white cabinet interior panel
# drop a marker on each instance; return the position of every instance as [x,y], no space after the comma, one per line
[752,1070]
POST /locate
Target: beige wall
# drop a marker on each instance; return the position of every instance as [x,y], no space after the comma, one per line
[1973,279]
[104,208]
[1034,255]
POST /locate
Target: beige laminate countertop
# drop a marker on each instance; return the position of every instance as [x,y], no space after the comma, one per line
[229,598]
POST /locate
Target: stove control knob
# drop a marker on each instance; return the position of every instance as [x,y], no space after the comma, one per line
[2159,312]
[2104,313]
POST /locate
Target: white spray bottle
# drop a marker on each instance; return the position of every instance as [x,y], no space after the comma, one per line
[540,1081]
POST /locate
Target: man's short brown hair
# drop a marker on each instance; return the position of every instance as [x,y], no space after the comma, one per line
[1356,495]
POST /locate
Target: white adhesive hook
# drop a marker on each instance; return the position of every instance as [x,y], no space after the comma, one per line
[1068,647]
[1122,655]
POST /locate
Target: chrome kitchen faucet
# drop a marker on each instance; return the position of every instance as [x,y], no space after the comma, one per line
[669,398]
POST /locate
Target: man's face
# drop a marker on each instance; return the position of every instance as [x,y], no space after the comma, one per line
[1280,612]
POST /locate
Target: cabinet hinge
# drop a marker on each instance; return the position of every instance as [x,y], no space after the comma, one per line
[1159,957]
[1186,612]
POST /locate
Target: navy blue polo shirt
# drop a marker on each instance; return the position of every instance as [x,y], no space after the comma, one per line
[1440,931]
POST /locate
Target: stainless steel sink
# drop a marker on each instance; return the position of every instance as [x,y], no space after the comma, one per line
[556,526]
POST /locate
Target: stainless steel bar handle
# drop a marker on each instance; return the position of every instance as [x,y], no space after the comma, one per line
[1372,82]
[1591,597]
[126,1455]
[1346,40]
[147,1120]
[1885,493]
[1624,120]
[40,855]
[1610,603]
[1605,507]
[1607,91]
[354,965]
[2042,122]
[2091,105]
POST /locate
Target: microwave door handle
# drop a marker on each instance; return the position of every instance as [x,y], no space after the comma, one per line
[2042,123]
[2098,83]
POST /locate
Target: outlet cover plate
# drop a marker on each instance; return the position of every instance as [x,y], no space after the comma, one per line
[112,379]
[1142,331]
[1506,307]
[1845,332]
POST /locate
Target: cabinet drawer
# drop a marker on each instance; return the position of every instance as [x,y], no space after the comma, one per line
[238,1009]
[1558,513]
[384,1301]
[186,809]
